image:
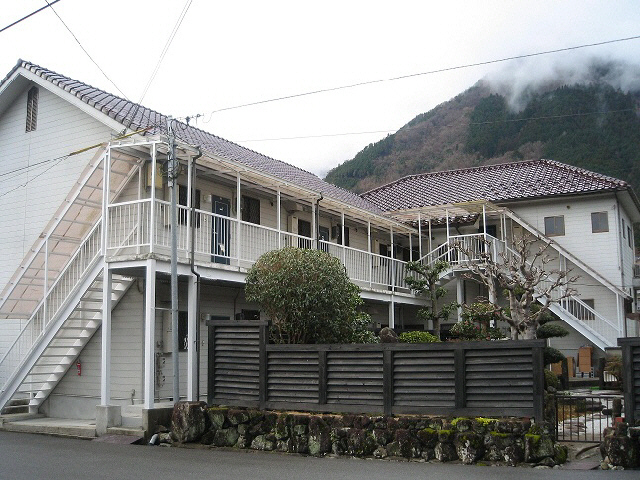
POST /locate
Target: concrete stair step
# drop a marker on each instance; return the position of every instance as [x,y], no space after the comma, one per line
[122,430]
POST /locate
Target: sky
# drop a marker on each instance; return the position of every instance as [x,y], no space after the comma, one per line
[231,53]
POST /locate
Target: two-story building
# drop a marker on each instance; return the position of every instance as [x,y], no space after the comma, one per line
[86,232]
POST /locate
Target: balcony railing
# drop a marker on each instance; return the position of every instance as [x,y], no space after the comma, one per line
[220,240]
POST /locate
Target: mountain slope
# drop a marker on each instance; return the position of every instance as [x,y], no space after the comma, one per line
[477,127]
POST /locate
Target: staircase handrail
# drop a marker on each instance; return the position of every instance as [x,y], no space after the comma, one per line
[40,307]
[579,263]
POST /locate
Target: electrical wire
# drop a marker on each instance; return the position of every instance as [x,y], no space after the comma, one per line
[404,129]
[412,75]
[172,35]
[59,159]
[85,50]
[30,15]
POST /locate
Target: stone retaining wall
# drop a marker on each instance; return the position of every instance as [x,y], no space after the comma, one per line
[469,440]
[621,447]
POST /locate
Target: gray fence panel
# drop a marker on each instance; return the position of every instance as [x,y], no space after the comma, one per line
[293,376]
[424,378]
[499,378]
[631,377]
[466,378]
[234,362]
[355,377]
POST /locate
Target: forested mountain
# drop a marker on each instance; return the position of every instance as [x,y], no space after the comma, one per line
[591,125]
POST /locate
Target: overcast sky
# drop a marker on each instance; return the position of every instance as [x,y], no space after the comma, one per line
[236,52]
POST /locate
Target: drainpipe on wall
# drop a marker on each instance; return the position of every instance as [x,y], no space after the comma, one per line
[193,268]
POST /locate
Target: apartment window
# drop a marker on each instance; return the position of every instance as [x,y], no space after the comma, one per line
[250,209]
[629,239]
[183,331]
[624,231]
[304,230]
[599,222]
[554,226]
[183,213]
[32,109]
[336,232]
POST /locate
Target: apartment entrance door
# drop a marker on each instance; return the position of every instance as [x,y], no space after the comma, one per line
[220,234]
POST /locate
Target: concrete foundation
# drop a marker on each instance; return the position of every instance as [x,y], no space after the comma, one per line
[153,418]
[107,416]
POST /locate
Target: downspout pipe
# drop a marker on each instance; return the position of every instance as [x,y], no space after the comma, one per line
[318,246]
[193,268]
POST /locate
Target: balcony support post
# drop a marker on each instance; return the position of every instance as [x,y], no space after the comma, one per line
[187,212]
[419,235]
[150,334]
[410,247]
[370,255]
[192,349]
[314,227]
[105,368]
[152,209]
[279,218]
[446,212]
[238,218]
[344,252]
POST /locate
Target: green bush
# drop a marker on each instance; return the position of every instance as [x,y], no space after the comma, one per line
[551,330]
[552,355]
[417,336]
[308,297]
[551,379]
[466,330]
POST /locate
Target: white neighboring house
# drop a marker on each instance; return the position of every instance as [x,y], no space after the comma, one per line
[86,237]
[586,217]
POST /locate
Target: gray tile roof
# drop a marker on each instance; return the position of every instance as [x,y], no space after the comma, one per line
[496,183]
[136,117]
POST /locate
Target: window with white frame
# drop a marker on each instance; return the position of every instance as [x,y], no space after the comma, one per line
[554,226]
[599,222]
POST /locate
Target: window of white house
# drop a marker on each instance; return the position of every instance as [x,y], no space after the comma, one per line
[250,209]
[32,109]
[599,222]
[554,226]
[629,240]
[183,213]
[624,231]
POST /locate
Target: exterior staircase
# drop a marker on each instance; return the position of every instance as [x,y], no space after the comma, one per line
[59,345]
[601,331]
[58,287]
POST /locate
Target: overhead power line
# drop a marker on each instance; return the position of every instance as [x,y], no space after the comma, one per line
[412,75]
[172,35]
[85,50]
[510,120]
[30,15]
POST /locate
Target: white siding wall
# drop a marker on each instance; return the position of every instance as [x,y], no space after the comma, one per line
[9,330]
[599,251]
[76,396]
[61,129]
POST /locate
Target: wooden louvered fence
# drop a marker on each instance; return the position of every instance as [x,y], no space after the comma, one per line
[631,377]
[501,378]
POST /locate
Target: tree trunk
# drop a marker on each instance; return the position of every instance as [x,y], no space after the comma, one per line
[436,328]
[514,332]
[529,332]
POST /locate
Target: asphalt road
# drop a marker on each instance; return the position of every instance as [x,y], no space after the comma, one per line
[29,456]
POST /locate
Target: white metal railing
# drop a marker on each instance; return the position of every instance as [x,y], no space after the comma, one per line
[54,299]
[226,240]
[464,249]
